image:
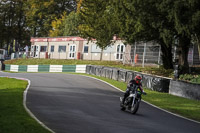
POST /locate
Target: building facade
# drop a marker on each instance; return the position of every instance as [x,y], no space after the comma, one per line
[77,48]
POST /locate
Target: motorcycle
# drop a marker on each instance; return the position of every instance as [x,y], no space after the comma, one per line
[132,102]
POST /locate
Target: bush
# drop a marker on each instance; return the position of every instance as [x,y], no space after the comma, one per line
[190,78]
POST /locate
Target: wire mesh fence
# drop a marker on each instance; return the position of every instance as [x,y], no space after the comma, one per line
[145,54]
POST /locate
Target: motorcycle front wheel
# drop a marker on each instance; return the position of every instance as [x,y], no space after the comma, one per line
[135,107]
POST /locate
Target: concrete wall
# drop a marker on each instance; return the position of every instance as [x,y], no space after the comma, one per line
[46,68]
[185,89]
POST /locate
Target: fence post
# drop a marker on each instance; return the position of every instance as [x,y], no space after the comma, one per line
[110,56]
[159,55]
[144,53]
[123,58]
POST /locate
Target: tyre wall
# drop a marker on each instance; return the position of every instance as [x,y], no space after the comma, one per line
[152,82]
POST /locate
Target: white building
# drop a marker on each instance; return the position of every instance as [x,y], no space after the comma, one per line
[77,48]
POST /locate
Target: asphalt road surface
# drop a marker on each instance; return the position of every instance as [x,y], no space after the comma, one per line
[76,104]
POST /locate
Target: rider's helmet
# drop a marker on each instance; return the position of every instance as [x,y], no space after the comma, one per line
[138,79]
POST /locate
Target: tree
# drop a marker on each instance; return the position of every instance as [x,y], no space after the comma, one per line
[185,14]
[144,21]
[71,24]
[96,22]
[13,23]
[41,14]
[58,26]
[163,21]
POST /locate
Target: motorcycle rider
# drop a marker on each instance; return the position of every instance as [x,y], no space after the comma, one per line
[131,85]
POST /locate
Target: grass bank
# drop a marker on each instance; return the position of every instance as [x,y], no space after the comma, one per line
[178,105]
[13,117]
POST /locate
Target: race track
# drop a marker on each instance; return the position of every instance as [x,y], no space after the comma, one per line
[77,104]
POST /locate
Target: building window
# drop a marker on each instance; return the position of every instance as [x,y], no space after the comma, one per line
[120,52]
[85,49]
[52,48]
[62,49]
[72,51]
[43,48]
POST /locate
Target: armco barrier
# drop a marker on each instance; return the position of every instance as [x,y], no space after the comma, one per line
[88,68]
[56,68]
[98,70]
[156,83]
[152,82]
[185,89]
[122,75]
[32,68]
[103,72]
[69,68]
[22,68]
[80,68]
[109,72]
[14,68]
[115,74]
[106,72]
[129,76]
[46,68]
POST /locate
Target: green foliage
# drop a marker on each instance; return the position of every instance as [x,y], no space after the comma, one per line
[145,20]
[13,23]
[57,27]
[190,78]
[41,14]
[71,23]
[97,21]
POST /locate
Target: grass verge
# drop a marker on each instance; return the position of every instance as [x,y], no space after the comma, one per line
[178,105]
[13,117]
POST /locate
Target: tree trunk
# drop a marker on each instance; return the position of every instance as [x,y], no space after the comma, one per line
[101,56]
[166,55]
[184,44]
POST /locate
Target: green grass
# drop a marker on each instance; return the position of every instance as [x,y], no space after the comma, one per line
[178,105]
[13,117]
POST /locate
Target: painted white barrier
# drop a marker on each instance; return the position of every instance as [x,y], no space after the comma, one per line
[55,68]
[80,68]
[32,68]
[14,68]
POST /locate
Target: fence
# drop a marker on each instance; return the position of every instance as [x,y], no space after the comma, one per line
[146,54]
